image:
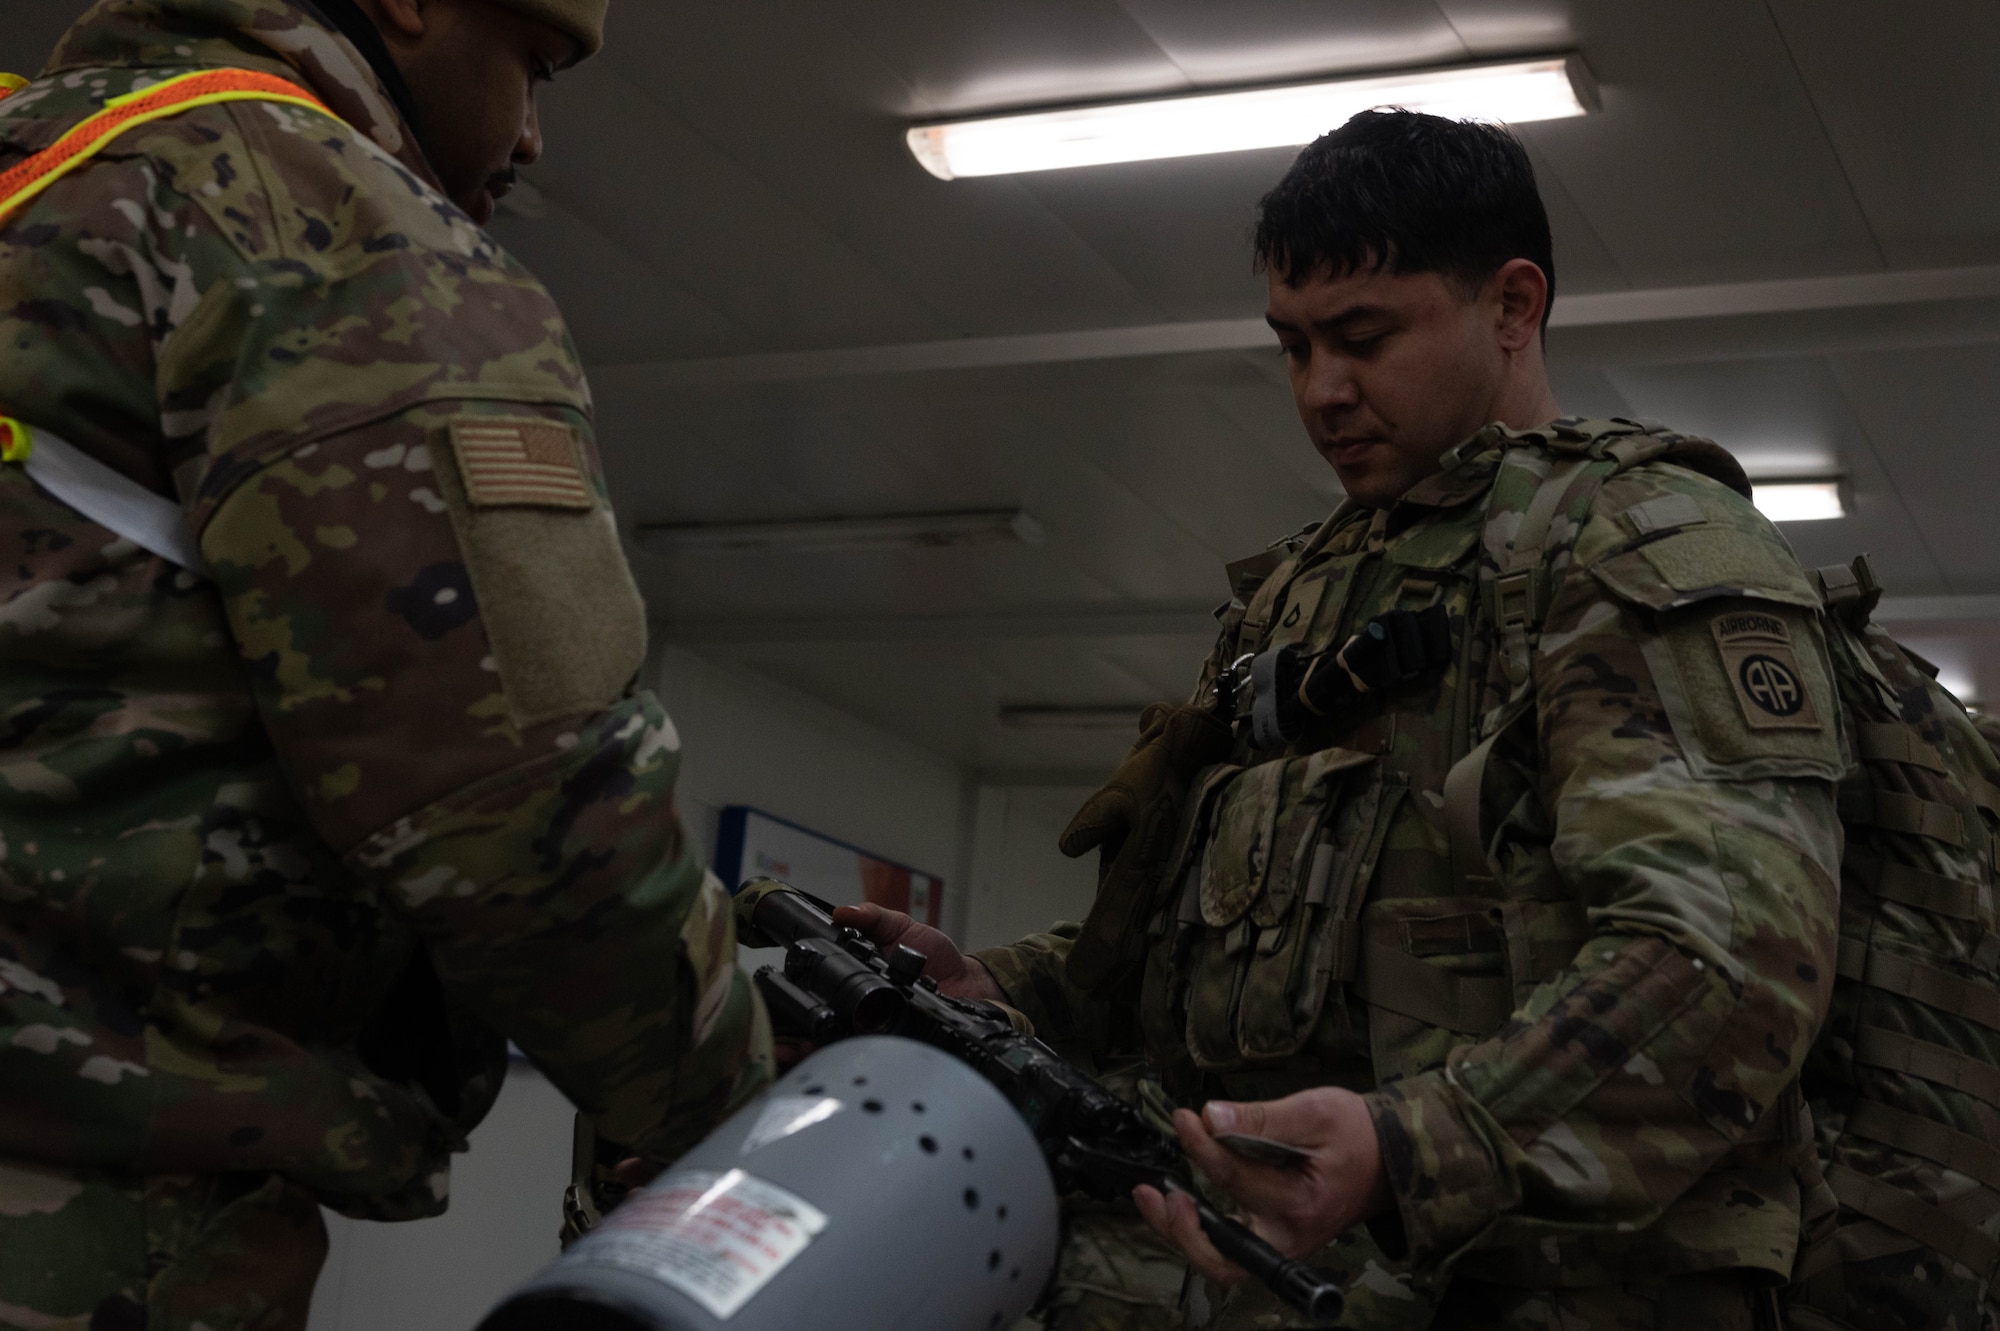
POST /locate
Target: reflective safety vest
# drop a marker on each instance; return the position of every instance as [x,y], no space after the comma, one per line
[151,521]
[108,498]
[23,182]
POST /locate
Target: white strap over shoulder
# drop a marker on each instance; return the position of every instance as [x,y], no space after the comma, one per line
[150,521]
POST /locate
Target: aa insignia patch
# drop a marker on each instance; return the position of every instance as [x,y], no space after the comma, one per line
[520,464]
[1763,668]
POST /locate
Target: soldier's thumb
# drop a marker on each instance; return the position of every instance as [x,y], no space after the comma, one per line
[877,924]
[1222,1117]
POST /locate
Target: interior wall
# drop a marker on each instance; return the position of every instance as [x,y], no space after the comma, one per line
[1021,884]
[745,741]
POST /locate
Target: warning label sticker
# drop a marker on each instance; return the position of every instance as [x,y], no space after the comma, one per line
[717,1238]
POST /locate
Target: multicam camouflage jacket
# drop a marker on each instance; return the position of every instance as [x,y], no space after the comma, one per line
[1580,1019]
[281,853]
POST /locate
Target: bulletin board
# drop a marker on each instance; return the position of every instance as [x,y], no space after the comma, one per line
[754,844]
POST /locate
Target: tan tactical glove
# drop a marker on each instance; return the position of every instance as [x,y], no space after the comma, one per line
[1133,822]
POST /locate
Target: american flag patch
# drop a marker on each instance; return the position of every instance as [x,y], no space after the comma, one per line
[531,464]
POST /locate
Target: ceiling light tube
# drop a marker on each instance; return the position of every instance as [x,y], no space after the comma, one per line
[1802,499]
[1513,91]
[1959,685]
[923,530]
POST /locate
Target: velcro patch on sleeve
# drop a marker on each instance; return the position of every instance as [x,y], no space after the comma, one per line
[1666,513]
[1748,689]
[1763,669]
[520,464]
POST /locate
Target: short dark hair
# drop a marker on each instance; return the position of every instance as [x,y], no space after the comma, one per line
[1408,193]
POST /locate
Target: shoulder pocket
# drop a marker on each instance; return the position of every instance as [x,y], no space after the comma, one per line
[1706,563]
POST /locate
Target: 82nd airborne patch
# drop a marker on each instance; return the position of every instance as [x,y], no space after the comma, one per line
[1763,669]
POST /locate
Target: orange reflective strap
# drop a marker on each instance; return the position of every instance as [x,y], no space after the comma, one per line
[11,84]
[27,179]
[17,441]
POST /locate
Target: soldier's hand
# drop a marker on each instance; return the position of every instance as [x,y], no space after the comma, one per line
[635,1171]
[1297,1208]
[1398,648]
[957,975]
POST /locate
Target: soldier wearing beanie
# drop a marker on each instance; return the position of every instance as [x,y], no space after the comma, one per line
[304,813]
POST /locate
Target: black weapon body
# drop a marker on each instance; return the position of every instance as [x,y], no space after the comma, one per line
[836,984]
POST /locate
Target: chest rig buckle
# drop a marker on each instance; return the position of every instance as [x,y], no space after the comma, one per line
[1290,690]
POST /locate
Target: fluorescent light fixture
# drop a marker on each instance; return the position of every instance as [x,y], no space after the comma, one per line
[1039,716]
[1813,499]
[1513,91]
[920,530]
[1953,658]
[1959,686]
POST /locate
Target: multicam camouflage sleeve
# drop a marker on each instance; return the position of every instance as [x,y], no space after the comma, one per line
[421,566]
[1694,817]
[1030,974]
[379,429]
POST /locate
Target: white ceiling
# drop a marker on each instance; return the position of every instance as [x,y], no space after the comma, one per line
[729,182]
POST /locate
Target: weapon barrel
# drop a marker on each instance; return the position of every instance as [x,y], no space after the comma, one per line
[1090,1135]
[1305,1289]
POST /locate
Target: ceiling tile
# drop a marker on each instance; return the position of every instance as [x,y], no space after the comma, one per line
[708,225]
[1907,92]
[976,55]
[1930,415]
[1177,231]
[1583,261]
[817,121]
[1271,40]
[1491,28]
[1707,163]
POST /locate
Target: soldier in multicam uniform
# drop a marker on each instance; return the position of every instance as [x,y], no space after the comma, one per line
[1494,861]
[288,843]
